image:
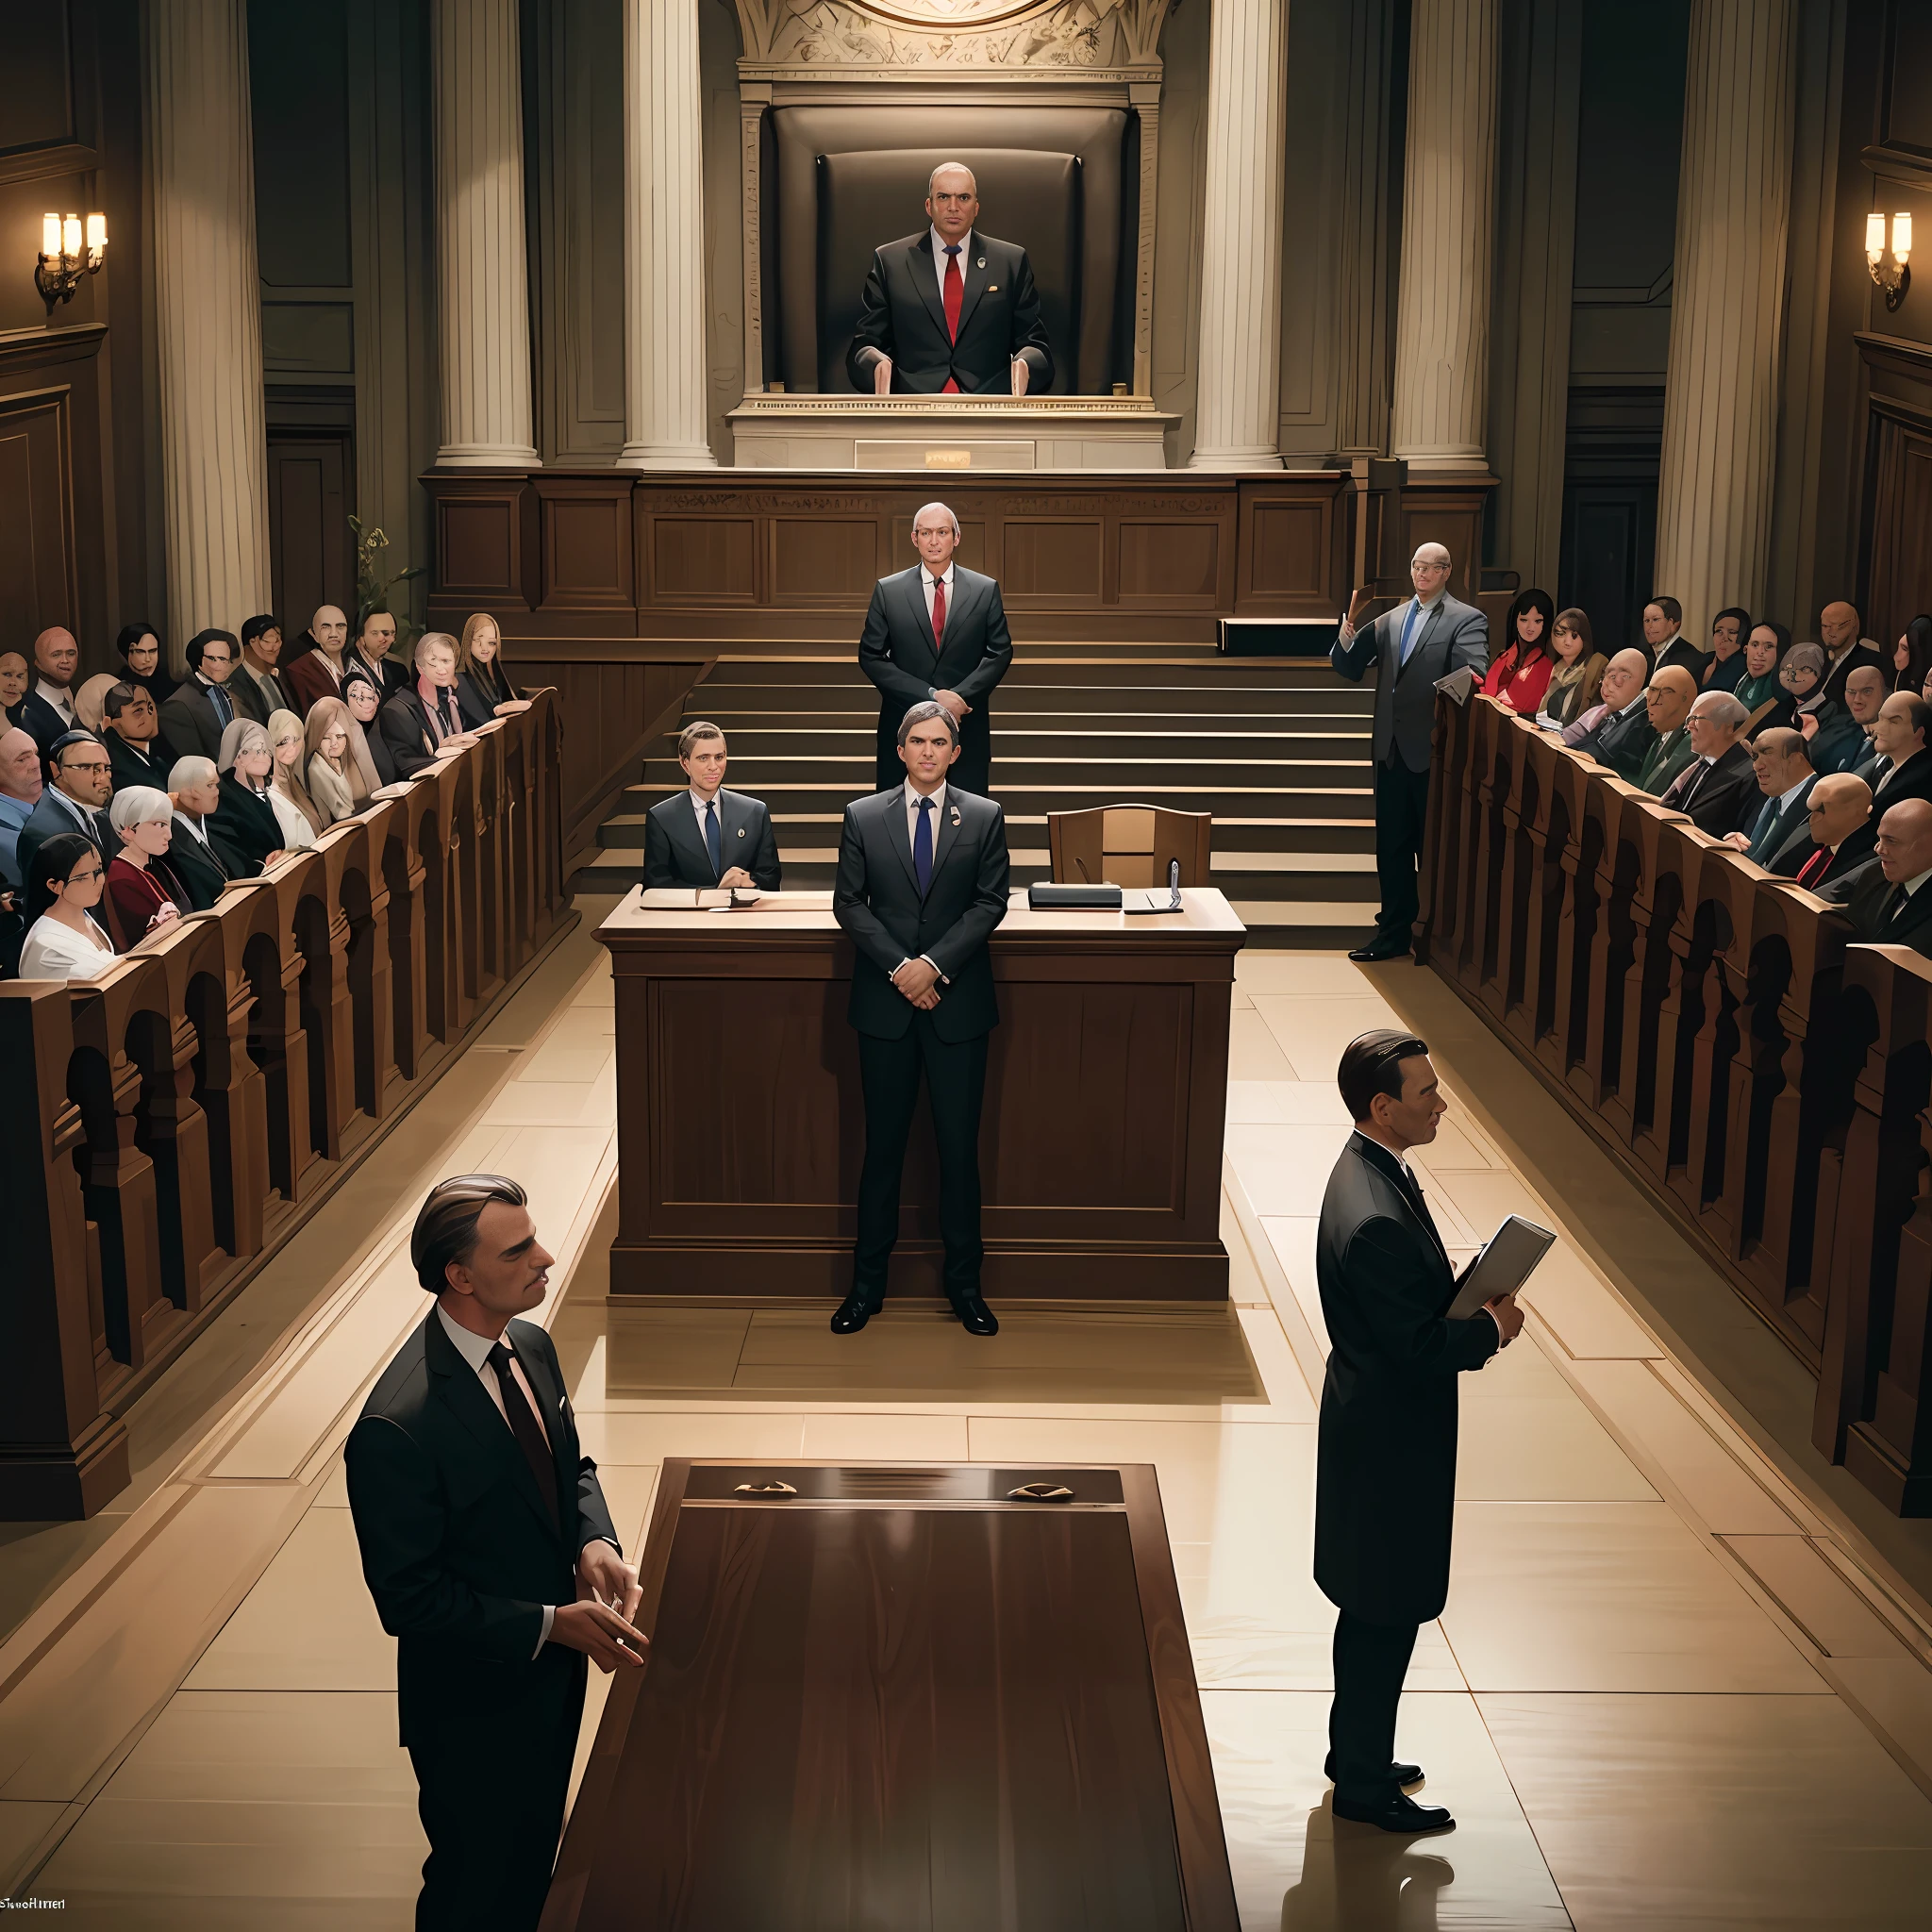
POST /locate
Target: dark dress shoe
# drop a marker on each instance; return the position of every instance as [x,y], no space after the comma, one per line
[1402,1774]
[1398,1814]
[1383,946]
[975,1316]
[854,1312]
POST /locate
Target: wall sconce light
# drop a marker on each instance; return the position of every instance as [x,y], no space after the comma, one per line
[68,251]
[1893,282]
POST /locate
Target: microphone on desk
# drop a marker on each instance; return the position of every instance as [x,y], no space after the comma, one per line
[1173,881]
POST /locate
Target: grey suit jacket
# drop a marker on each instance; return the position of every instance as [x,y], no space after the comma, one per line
[1454,636]
[675,854]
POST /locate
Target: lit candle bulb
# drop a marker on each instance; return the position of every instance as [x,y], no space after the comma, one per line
[50,235]
[70,237]
[96,235]
[1874,238]
[1902,237]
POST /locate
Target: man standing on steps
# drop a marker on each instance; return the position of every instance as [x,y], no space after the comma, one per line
[1420,640]
[936,634]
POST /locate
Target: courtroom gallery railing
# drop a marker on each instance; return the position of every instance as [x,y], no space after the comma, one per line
[165,1128]
[1763,1076]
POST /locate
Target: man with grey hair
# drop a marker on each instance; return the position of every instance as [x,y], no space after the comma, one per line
[1423,638]
[196,786]
[936,634]
[1717,790]
[948,309]
[422,723]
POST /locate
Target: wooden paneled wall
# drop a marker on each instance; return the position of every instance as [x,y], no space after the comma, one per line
[165,1128]
[756,561]
[1764,1076]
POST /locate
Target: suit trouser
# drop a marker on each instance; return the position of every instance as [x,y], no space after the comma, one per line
[1402,809]
[956,1083]
[490,1792]
[1371,1660]
[974,772]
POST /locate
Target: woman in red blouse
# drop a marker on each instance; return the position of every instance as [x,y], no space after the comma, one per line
[1521,673]
[142,890]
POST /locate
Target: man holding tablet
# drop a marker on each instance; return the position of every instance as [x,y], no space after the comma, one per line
[1384,1483]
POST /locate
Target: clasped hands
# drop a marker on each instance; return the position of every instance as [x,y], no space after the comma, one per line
[919,981]
[882,376]
[599,1623]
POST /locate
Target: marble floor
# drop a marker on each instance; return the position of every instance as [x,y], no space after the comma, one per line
[1674,1687]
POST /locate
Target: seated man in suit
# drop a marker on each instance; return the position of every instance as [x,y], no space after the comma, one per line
[196,786]
[79,783]
[1865,692]
[948,311]
[1889,904]
[258,686]
[1621,738]
[1619,695]
[489,1548]
[937,633]
[1844,650]
[922,875]
[1667,704]
[1719,787]
[1842,837]
[706,835]
[1785,777]
[133,737]
[1902,765]
[1663,635]
[22,781]
[423,722]
[1385,1460]
[203,707]
[47,710]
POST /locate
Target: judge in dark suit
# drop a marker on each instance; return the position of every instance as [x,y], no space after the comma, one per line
[950,310]
[203,707]
[937,633]
[1841,836]
[1782,827]
[490,1550]
[1891,903]
[921,883]
[706,836]
[1385,1472]
[1422,640]
[1717,790]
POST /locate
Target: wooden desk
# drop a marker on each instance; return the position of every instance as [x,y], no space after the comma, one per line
[740,1124]
[899,1696]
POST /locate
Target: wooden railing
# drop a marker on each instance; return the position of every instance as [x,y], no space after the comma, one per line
[1765,1076]
[165,1128]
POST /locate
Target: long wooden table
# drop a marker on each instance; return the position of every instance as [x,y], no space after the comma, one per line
[740,1126]
[901,1696]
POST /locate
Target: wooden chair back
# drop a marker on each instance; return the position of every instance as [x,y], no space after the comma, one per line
[1129,845]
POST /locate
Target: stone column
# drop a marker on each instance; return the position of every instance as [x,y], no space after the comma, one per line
[663,240]
[1448,229]
[208,316]
[1237,411]
[1714,489]
[482,275]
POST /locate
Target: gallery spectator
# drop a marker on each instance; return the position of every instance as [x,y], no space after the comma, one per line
[1717,790]
[483,688]
[13,683]
[143,894]
[364,698]
[1667,702]
[1521,671]
[1842,835]
[1844,650]
[1889,904]
[1865,691]
[341,776]
[1911,656]
[1663,637]
[79,783]
[1577,679]
[1761,690]
[1616,726]
[1723,664]
[424,724]
[1785,779]
[258,685]
[318,671]
[64,940]
[196,787]
[245,830]
[89,698]
[373,652]
[301,818]
[20,784]
[133,737]
[139,648]
[202,709]
[47,710]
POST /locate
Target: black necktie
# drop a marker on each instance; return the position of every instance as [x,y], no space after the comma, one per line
[528,1432]
[1895,901]
[1416,1194]
[224,708]
[713,840]
[922,847]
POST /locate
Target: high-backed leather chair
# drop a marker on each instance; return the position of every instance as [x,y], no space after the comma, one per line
[847,180]
[1129,845]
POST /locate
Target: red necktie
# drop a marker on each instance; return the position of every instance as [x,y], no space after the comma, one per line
[939,610]
[1815,867]
[952,293]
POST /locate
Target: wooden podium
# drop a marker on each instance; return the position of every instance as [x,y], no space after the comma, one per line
[740,1126]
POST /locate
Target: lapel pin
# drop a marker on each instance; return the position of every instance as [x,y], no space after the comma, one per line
[980,263]
[955,814]
[740,831]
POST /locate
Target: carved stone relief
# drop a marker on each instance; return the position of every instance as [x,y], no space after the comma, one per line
[950,36]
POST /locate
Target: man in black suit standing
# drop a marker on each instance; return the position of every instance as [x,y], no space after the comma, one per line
[937,633]
[1385,1470]
[1717,790]
[1891,903]
[949,311]
[921,883]
[706,836]
[1422,640]
[489,1549]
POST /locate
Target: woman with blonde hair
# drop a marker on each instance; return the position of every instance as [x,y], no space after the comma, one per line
[483,688]
[302,820]
[342,775]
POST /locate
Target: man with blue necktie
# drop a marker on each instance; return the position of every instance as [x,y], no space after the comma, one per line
[1782,829]
[705,836]
[1422,640]
[922,875]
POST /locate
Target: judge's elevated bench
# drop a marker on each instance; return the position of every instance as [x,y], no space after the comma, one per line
[740,1124]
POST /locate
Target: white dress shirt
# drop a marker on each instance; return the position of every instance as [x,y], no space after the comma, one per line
[475,1349]
[1787,799]
[1911,888]
[939,807]
[55,951]
[59,695]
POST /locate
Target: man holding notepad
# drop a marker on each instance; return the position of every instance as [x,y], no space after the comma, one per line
[1385,1484]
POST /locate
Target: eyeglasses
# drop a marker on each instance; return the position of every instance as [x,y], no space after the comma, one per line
[83,879]
[91,765]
